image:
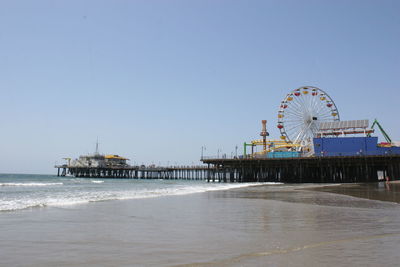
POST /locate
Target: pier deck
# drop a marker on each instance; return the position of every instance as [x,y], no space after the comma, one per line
[349,169]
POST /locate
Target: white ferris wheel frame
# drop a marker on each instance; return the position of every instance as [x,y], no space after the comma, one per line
[301,111]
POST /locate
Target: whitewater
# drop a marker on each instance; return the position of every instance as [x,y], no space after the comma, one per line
[23,191]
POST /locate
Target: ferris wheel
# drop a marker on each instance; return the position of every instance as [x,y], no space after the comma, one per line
[301,111]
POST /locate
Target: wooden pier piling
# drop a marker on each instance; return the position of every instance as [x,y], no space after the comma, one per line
[305,170]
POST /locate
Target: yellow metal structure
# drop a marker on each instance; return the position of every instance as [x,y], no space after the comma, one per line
[270,145]
[273,145]
[114,157]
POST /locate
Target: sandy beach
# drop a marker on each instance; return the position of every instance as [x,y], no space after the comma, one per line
[280,225]
[382,191]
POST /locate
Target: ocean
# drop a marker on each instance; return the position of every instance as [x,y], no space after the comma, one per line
[22,191]
[63,221]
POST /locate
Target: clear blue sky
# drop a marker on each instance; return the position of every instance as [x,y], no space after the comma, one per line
[156,80]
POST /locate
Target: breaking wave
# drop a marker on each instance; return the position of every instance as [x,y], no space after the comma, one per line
[30,184]
[81,195]
[97,182]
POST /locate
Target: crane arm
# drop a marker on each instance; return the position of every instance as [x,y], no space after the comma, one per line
[388,139]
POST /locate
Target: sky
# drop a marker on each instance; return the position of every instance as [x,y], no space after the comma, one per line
[157,80]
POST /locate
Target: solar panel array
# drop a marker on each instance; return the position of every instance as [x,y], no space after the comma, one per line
[341,125]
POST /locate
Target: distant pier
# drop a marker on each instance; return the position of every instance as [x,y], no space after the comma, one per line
[136,172]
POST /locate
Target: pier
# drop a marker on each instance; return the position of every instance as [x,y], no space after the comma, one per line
[345,169]
[314,146]
[136,172]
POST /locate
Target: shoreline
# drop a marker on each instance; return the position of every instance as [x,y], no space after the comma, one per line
[378,191]
[196,189]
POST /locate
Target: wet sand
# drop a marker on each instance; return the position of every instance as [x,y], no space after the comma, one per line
[280,225]
[383,191]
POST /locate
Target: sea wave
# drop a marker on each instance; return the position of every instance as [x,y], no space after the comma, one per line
[30,184]
[82,197]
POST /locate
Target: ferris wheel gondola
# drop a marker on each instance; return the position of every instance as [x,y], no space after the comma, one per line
[301,111]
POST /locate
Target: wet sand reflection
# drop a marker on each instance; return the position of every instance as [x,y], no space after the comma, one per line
[383,191]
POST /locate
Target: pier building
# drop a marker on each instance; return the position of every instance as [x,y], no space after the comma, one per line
[100,161]
[97,165]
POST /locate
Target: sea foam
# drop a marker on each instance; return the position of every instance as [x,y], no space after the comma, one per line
[72,193]
[29,184]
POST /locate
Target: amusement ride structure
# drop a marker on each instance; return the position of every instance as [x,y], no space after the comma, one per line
[301,111]
[299,116]
[306,115]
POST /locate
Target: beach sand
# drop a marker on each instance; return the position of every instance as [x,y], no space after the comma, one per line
[383,191]
[275,225]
